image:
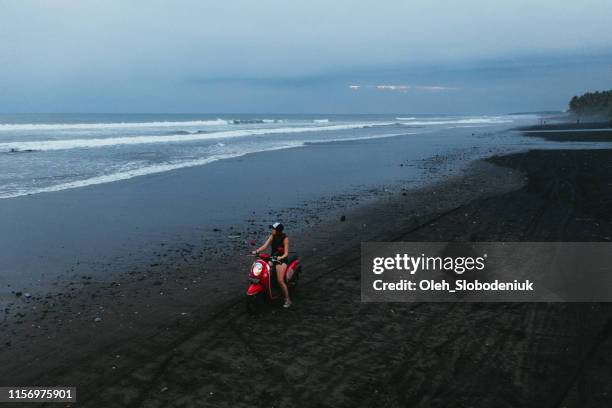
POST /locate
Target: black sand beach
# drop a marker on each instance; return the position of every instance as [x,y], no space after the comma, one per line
[179,336]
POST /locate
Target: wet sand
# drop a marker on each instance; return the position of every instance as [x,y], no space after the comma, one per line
[570,132]
[181,337]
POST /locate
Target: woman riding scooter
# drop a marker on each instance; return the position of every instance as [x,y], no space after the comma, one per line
[279,244]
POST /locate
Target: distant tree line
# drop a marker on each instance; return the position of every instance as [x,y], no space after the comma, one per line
[592,103]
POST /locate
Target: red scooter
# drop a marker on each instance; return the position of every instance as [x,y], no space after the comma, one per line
[263,284]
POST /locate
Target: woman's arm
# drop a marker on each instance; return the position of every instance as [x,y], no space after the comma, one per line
[286,253]
[265,245]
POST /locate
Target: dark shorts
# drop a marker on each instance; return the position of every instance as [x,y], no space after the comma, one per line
[284,261]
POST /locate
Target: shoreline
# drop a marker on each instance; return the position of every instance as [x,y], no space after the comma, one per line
[108,228]
[160,334]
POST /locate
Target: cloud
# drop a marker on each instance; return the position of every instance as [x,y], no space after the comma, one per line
[403,88]
[435,88]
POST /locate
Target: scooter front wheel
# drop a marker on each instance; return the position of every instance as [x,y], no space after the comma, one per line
[254,303]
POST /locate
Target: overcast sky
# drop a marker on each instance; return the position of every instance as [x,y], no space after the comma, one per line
[357,56]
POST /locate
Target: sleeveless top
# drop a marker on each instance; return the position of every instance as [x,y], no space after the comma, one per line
[277,245]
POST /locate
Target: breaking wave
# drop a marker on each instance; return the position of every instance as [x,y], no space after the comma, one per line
[118,125]
[66,144]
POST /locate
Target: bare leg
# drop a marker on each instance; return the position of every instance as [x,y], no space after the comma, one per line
[280,276]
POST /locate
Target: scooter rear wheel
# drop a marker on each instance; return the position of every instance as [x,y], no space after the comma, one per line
[293,283]
[296,276]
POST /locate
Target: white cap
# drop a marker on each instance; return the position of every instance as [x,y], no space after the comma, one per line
[277,225]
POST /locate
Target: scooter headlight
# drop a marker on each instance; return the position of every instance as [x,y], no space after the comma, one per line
[257,268]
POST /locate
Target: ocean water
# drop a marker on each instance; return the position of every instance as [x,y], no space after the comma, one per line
[54,152]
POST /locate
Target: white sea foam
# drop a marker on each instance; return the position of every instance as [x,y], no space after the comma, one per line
[321,120]
[47,145]
[410,118]
[469,121]
[131,173]
[118,125]
[354,139]
[165,167]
